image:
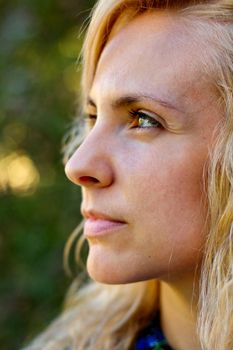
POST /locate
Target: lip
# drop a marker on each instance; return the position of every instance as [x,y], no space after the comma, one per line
[98,224]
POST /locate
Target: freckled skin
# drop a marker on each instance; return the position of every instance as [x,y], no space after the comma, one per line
[150,179]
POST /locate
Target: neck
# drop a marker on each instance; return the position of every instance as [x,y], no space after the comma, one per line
[178,309]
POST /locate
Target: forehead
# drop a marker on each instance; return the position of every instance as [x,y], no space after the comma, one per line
[155,51]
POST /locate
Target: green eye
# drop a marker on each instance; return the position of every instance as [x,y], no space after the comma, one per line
[147,122]
[142,120]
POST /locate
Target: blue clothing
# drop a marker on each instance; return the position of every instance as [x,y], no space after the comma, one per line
[152,338]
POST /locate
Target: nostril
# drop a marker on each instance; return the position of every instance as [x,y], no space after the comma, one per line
[85,180]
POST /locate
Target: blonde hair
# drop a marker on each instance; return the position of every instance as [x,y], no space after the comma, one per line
[105,317]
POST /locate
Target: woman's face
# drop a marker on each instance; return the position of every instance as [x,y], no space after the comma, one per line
[141,164]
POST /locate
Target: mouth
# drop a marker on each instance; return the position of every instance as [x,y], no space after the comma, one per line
[99,224]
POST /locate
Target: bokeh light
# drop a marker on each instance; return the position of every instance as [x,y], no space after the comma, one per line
[18,174]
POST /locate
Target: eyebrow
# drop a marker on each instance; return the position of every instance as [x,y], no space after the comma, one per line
[135,98]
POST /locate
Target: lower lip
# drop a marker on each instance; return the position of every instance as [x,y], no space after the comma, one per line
[99,227]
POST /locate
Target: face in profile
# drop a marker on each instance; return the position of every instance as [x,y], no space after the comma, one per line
[152,113]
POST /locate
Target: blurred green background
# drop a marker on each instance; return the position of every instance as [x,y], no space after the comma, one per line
[39,83]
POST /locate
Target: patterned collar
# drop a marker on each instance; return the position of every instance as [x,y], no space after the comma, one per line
[152,338]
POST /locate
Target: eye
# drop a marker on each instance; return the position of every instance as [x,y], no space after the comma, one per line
[143,120]
[90,120]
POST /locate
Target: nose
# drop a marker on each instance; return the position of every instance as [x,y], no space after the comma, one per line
[90,165]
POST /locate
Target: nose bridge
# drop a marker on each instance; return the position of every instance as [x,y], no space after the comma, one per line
[90,165]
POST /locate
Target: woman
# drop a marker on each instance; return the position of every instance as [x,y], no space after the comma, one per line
[155,166]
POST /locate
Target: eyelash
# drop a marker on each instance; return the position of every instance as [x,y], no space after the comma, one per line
[134,116]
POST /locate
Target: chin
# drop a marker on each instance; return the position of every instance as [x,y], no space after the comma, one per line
[114,269]
[104,268]
[106,273]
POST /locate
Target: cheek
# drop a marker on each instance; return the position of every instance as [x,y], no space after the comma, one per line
[174,176]
[165,194]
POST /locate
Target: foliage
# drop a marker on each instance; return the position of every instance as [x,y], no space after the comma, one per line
[39,208]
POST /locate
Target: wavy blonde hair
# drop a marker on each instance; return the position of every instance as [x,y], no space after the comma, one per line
[101,317]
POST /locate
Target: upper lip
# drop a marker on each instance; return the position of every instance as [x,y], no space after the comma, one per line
[96,215]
